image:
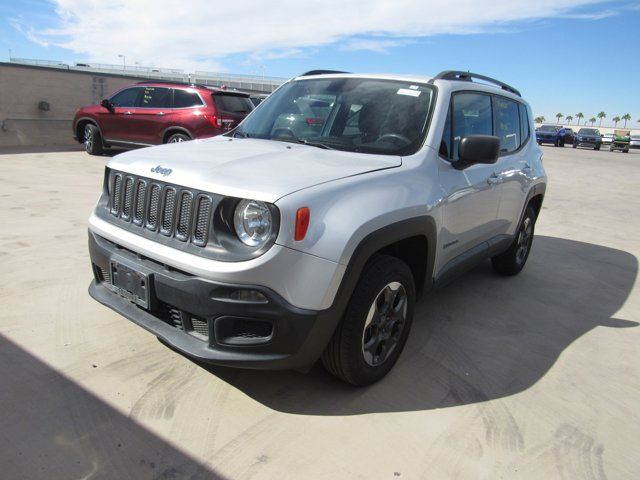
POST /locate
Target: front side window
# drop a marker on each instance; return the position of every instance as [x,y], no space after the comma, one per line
[154,97]
[472,115]
[185,98]
[126,97]
[352,114]
[507,118]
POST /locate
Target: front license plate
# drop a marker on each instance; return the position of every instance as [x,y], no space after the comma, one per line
[130,284]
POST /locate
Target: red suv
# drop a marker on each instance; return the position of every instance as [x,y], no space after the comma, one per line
[151,113]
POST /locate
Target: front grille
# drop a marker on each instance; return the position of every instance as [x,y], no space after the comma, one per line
[168,211]
[171,315]
[200,326]
[173,211]
[183,320]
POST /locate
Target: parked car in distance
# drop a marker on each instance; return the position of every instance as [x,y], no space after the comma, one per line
[569,135]
[621,140]
[607,138]
[152,113]
[264,249]
[548,134]
[588,137]
[635,141]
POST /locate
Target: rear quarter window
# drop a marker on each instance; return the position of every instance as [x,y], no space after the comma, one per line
[233,103]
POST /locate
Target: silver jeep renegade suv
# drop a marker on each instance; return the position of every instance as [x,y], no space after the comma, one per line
[309,230]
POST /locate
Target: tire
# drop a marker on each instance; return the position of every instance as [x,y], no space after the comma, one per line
[376,323]
[540,143]
[178,137]
[597,147]
[92,139]
[575,146]
[512,261]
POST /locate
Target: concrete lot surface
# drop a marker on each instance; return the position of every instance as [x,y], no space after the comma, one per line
[536,376]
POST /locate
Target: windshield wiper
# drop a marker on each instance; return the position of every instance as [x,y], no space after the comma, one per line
[240,135]
[303,141]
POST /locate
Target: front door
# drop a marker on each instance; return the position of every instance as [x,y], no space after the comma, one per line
[472,195]
[116,125]
[151,115]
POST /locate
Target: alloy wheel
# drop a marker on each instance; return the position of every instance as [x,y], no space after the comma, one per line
[384,324]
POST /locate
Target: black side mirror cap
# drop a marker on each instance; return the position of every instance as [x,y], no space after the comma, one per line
[477,149]
[107,104]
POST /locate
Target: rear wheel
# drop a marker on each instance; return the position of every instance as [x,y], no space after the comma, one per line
[178,138]
[92,139]
[513,260]
[376,324]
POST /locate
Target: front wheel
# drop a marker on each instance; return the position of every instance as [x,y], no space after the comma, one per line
[376,324]
[513,260]
[92,139]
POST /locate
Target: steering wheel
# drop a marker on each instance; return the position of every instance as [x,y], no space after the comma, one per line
[396,137]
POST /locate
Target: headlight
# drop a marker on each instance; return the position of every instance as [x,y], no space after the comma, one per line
[253,222]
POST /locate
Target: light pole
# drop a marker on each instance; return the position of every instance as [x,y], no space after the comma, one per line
[124,61]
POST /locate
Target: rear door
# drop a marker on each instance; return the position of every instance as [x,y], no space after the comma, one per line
[231,108]
[117,125]
[149,116]
[513,170]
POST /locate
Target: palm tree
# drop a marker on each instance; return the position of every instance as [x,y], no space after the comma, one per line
[559,116]
[626,117]
[601,115]
[579,116]
[569,118]
[615,121]
[592,120]
[542,119]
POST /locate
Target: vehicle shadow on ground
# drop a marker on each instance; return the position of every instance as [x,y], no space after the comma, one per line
[481,337]
[51,427]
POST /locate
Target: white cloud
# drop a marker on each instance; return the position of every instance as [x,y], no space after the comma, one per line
[200,33]
[377,45]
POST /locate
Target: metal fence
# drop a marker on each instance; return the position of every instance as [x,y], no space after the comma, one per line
[253,83]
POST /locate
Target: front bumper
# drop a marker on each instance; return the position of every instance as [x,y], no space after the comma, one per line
[199,318]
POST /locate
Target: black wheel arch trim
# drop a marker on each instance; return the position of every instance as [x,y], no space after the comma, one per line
[369,246]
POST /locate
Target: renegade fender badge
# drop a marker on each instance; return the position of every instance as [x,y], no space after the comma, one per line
[161,170]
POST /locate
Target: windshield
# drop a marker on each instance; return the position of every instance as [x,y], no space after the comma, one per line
[353,114]
[589,131]
[549,128]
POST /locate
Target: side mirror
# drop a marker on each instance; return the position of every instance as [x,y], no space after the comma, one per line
[107,104]
[477,149]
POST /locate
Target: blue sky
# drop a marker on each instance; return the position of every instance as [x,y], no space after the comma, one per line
[578,56]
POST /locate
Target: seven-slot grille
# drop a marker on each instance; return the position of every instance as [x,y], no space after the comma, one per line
[171,210]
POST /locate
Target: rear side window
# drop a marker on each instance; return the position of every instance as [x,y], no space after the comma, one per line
[185,98]
[154,97]
[471,116]
[233,103]
[507,117]
[126,97]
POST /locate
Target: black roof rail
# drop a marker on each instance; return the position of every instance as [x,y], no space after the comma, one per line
[320,72]
[468,76]
[175,82]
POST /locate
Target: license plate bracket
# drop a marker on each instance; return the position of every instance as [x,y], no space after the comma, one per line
[130,283]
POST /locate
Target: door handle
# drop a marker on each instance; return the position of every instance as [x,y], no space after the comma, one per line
[127,112]
[160,113]
[493,179]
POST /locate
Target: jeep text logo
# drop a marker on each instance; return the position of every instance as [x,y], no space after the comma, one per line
[161,170]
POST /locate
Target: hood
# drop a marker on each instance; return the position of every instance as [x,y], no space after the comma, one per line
[248,168]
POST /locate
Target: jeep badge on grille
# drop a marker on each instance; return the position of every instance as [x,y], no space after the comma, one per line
[161,170]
